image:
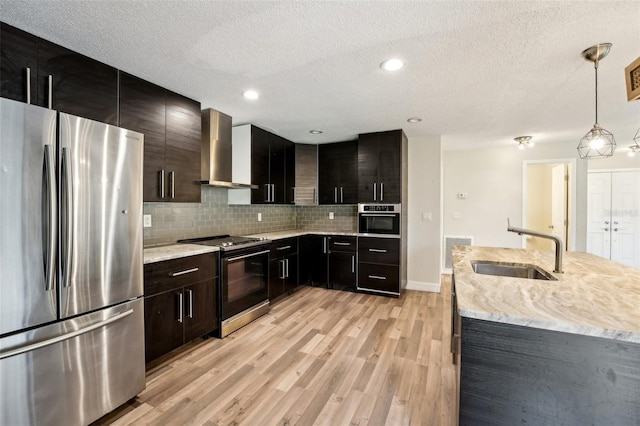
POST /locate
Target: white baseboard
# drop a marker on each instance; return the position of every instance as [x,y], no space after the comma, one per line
[423,286]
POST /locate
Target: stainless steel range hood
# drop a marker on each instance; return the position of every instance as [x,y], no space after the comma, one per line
[216,151]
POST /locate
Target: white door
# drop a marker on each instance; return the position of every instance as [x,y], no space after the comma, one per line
[625,218]
[599,214]
[613,216]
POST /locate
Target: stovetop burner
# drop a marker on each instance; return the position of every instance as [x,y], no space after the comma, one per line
[226,242]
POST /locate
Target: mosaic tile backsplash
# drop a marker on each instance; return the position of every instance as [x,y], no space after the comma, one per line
[174,221]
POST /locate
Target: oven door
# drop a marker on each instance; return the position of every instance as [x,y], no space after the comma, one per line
[379,223]
[244,280]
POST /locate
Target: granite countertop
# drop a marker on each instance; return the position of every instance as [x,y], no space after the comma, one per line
[593,297]
[174,251]
[279,235]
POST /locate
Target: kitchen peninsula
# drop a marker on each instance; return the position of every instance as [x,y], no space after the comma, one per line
[563,351]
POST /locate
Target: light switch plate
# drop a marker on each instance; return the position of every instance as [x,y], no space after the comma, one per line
[147,220]
[426,216]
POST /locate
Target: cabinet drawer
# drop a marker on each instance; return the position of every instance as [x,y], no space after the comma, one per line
[379,250]
[176,273]
[281,248]
[342,243]
[379,278]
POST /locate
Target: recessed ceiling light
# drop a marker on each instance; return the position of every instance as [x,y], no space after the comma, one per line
[392,64]
[251,94]
[414,120]
[315,132]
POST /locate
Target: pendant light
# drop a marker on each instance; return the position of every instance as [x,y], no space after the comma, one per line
[598,142]
[635,148]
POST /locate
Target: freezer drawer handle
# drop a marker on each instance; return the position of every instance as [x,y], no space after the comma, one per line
[377,277]
[188,271]
[34,346]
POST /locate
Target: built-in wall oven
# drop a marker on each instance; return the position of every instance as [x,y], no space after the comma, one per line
[376,220]
[243,293]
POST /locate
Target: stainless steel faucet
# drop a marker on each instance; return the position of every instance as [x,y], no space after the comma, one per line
[554,238]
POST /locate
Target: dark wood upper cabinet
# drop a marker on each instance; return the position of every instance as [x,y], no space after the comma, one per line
[380,166]
[171,124]
[272,168]
[338,173]
[59,78]
[19,59]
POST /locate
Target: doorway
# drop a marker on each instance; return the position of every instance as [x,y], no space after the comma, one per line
[548,202]
[613,216]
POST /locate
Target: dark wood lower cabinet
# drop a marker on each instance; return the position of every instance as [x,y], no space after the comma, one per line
[313,259]
[379,265]
[283,267]
[180,302]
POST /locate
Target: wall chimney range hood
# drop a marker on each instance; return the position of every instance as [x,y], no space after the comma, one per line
[216,151]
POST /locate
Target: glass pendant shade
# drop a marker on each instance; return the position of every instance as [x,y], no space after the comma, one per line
[597,143]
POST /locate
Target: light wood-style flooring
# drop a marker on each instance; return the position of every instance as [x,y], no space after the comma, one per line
[320,357]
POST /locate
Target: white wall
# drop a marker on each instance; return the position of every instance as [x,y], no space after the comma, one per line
[619,160]
[492,178]
[424,243]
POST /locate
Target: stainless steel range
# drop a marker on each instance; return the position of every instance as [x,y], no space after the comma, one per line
[243,293]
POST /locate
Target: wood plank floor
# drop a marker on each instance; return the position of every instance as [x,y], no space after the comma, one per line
[320,357]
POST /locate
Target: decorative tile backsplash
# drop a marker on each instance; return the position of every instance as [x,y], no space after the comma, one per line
[173,221]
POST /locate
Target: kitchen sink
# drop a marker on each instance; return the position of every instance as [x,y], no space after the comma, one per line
[516,270]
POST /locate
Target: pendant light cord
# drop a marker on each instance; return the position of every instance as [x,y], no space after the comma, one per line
[595,65]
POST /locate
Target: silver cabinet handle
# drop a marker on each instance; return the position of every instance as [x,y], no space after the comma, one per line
[281,273]
[353,264]
[233,259]
[273,192]
[338,243]
[377,277]
[187,271]
[283,248]
[293,194]
[172,184]
[50,81]
[375,190]
[324,245]
[162,184]
[190,297]
[68,214]
[28,85]
[286,266]
[335,194]
[378,250]
[315,196]
[62,338]
[382,192]
[52,217]
[180,306]
[341,195]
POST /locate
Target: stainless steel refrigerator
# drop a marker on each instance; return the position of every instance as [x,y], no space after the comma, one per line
[71,277]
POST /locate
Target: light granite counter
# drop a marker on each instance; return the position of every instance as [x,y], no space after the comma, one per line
[279,235]
[593,297]
[174,251]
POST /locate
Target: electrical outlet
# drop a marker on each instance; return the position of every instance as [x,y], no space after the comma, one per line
[331,215]
[259,217]
[147,220]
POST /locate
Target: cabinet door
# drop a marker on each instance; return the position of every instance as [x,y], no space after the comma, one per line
[80,85]
[306,175]
[338,173]
[200,310]
[276,280]
[260,165]
[379,278]
[368,184]
[142,108]
[291,273]
[277,162]
[162,329]
[313,260]
[289,172]
[390,167]
[183,133]
[342,271]
[19,51]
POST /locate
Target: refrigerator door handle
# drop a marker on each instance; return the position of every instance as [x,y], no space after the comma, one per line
[52,217]
[61,338]
[68,214]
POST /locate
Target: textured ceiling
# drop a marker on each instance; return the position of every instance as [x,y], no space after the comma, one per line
[476,72]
